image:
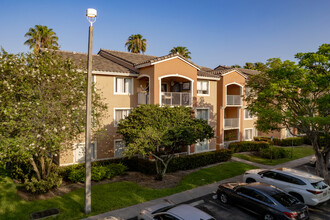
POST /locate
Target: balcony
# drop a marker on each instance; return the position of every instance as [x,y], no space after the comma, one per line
[143,98]
[176,98]
[234,100]
[231,123]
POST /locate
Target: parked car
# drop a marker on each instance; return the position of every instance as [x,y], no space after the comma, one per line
[308,188]
[168,211]
[264,200]
[313,161]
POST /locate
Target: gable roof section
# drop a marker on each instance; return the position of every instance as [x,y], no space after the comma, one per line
[223,72]
[163,59]
[131,58]
[99,63]
[248,72]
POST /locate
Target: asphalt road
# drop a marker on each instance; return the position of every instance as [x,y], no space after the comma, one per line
[221,211]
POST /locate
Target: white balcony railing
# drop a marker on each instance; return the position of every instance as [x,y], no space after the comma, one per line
[143,98]
[176,98]
[234,100]
[231,122]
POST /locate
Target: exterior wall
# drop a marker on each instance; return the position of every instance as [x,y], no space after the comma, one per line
[173,67]
[210,102]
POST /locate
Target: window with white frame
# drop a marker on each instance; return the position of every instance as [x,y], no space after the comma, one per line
[123,85]
[79,152]
[289,132]
[203,87]
[202,113]
[202,146]
[120,114]
[119,147]
[248,134]
[247,114]
[255,132]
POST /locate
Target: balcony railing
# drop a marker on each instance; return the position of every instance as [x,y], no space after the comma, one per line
[176,98]
[231,122]
[234,100]
[143,98]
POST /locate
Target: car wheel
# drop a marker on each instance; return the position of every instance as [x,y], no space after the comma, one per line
[250,180]
[297,196]
[223,198]
[268,217]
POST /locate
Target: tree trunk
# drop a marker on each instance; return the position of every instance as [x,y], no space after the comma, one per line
[42,164]
[161,166]
[322,158]
[50,162]
[35,168]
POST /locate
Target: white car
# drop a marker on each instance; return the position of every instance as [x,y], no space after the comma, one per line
[308,188]
[168,211]
[313,162]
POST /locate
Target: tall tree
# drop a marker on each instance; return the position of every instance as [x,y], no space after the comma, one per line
[183,51]
[236,66]
[249,66]
[136,43]
[296,96]
[162,131]
[42,109]
[41,37]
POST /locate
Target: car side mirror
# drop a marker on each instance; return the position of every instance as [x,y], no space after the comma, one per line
[262,175]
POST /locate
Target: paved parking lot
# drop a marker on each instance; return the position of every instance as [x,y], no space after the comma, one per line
[215,208]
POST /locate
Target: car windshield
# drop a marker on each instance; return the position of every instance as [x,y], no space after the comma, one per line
[319,185]
[285,199]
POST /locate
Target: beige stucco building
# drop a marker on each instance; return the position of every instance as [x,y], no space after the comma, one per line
[126,80]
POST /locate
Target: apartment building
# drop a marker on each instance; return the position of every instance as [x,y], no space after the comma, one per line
[126,80]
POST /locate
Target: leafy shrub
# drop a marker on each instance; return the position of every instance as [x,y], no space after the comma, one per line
[99,173]
[261,138]
[77,175]
[292,141]
[244,146]
[115,170]
[274,153]
[43,186]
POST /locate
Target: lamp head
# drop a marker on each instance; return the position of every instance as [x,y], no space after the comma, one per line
[91,14]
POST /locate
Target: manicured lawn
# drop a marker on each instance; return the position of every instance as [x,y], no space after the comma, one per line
[298,152]
[109,196]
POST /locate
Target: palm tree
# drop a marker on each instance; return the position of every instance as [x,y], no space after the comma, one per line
[41,37]
[136,44]
[182,51]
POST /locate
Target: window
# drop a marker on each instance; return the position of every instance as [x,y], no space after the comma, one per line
[202,114]
[203,145]
[247,114]
[123,85]
[289,132]
[119,148]
[202,87]
[248,134]
[79,152]
[120,114]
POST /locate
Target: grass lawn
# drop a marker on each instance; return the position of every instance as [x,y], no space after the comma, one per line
[298,152]
[109,196]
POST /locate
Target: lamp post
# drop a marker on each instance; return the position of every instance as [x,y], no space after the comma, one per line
[91,17]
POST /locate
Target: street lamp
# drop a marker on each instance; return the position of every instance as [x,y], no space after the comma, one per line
[91,17]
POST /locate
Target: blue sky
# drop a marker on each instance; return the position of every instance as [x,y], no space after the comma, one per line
[215,31]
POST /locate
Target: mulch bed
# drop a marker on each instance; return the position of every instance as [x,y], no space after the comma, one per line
[170,180]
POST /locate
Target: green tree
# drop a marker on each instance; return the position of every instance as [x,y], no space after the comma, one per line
[296,96]
[249,66]
[183,51]
[136,44]
[42,109]
[161,132]
[236,66]
[260,66]
[41,37]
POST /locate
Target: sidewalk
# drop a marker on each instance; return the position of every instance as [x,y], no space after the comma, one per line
[132,211]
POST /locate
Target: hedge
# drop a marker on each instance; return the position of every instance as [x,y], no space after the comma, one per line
[184,162]
[291,141]
[244,146]
[274,153]
[261,138]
